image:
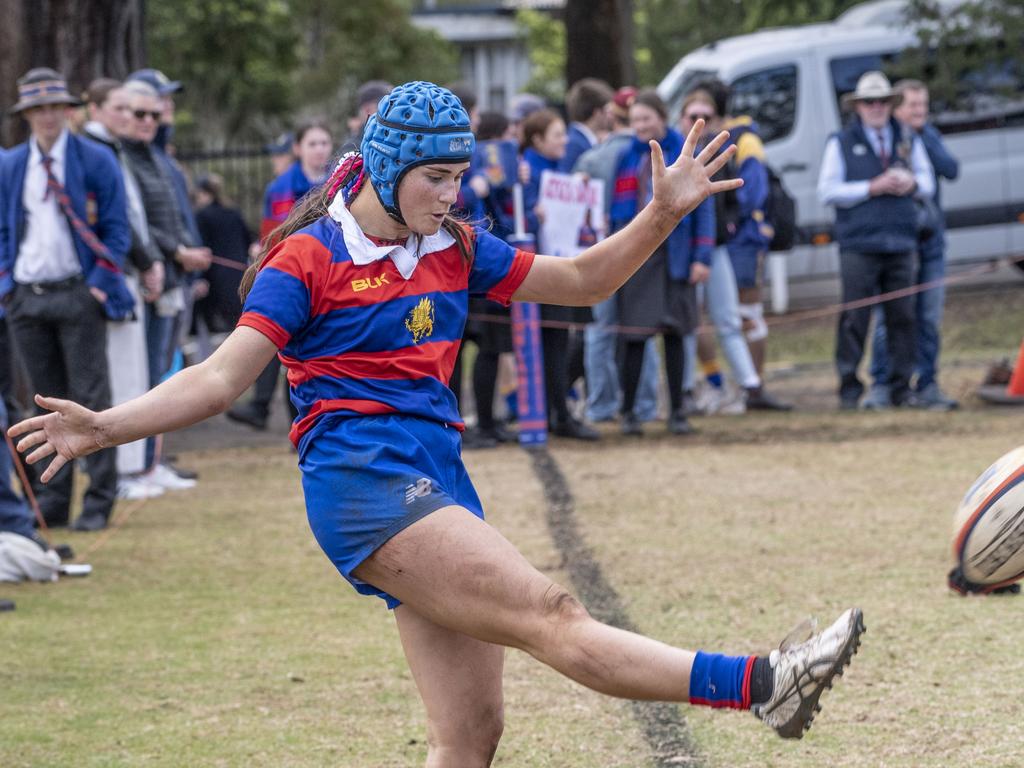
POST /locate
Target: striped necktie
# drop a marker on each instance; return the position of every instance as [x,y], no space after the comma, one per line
[883,151]
[82,229]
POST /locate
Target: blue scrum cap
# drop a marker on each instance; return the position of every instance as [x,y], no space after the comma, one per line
[416,123]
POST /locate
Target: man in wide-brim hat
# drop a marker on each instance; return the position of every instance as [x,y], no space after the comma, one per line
[40,87]
[63,239]
[871,171]
[872,87]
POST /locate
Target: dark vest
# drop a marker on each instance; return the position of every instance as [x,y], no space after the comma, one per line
[882,224]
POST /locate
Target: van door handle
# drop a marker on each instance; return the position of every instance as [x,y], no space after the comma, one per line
[790,167]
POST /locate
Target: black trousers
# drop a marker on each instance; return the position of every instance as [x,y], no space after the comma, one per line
[62,337]
[563,357]
[865,275]
[631,363]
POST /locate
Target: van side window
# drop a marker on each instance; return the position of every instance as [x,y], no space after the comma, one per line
[984,96]
[846,72]
[769,96]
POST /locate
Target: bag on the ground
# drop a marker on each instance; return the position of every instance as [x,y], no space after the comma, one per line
[22,559]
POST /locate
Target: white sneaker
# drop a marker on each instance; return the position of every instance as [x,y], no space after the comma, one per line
[707,398]
[733,402]
[164,476]
[803,671]
[136,489]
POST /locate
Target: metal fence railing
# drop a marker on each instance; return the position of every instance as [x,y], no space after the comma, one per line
[246,171]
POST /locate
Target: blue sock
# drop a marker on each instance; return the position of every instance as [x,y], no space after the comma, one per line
[715,380]
[721,681]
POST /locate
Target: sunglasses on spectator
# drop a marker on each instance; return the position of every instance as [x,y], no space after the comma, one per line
[142,114]
[695,116]
[874,102]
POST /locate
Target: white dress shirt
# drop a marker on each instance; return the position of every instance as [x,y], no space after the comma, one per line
[46,252]
[833,189]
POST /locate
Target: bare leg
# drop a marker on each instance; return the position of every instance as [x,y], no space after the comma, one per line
[460,573]
[758,346]
[459,680]
[705,347]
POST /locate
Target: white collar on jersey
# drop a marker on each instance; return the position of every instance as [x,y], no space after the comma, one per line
[364,251]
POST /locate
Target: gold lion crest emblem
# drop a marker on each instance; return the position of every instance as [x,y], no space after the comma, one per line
[420,322]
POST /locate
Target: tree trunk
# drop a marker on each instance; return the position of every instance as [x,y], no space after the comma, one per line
[599,41]
[81,39]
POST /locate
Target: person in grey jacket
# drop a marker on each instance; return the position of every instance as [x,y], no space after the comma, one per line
[912,111]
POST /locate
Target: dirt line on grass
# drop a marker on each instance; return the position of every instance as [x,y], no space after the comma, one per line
[663,725]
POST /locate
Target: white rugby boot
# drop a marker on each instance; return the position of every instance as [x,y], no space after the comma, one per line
[803,670]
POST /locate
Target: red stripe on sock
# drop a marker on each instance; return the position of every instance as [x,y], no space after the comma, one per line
[745,690]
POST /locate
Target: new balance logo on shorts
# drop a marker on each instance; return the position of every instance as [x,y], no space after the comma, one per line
[418,490]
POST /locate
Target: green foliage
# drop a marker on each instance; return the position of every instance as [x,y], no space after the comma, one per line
[346,43]
[666,30]
[545,42]
[252,66]
[235,57]
[966,54]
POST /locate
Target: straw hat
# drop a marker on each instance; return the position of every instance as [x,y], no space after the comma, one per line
[871,85]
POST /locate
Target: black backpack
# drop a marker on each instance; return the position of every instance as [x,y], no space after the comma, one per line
[779,209]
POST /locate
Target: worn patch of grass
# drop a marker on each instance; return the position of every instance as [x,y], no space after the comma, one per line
[214,632]
[721,543]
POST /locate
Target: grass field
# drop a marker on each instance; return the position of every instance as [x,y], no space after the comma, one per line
[213,632]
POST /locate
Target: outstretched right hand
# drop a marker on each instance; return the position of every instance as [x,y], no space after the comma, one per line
[70,431]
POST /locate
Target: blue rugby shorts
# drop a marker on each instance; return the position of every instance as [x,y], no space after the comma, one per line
[366,478]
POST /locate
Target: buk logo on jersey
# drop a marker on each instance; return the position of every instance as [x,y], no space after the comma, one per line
[420,322]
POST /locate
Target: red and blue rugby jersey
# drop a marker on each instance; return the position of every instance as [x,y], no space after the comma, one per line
[363,340]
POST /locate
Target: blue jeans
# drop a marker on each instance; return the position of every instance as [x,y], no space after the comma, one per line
[928,306]
[159,333]
[604,395]
[720,297]
[15,516]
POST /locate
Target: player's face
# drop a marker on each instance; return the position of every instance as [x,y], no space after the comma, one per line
[427,194]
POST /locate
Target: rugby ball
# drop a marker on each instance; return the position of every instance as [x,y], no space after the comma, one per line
[988,528]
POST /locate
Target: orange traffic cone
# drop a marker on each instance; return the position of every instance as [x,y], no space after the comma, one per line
[1010,393]
[1016,386]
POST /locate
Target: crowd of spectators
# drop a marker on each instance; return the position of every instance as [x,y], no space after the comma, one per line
[110,255]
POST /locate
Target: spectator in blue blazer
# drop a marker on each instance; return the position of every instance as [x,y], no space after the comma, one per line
[589,118]
[64,235]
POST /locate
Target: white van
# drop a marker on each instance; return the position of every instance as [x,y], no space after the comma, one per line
[790,81]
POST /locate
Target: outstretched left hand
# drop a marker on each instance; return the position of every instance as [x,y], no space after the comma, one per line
[682,186]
